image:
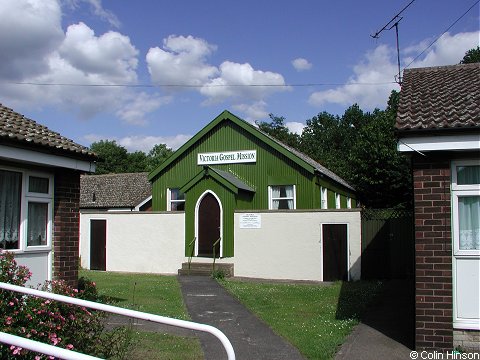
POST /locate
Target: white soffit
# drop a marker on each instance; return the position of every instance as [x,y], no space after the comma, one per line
[39,158]
[439,143]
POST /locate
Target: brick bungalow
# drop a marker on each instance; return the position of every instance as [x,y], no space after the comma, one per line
[438,124]
[39,196]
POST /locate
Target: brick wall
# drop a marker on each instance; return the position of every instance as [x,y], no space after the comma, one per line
[66,226]
[433,253]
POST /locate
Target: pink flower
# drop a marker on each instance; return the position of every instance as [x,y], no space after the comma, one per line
[69,347]
[8,321]
[16,351]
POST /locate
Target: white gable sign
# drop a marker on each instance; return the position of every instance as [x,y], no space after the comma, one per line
[228,157]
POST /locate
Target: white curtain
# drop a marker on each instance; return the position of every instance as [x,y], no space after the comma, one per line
[37,224]
[10,195]
[469,222]
[282,197]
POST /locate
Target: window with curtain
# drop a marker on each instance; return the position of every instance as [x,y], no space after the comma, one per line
[469,222]
[10,211]
[176,200]
[466,207]
[282,197]
[37,224]
[323,198]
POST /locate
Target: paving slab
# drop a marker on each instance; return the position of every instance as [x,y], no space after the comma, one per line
[209,303]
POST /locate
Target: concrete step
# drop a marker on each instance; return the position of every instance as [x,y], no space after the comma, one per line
[205,269]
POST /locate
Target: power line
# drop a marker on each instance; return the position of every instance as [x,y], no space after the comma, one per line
[434,41]
[198,86]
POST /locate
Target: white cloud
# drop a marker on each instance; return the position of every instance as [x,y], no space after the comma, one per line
[111,55]
[182,61]
[134,111]
[98,10]
[242,81]
[448,50]
[369,85]
[253,112]
[301,64]
[35,49]
[29,31]
[295,127]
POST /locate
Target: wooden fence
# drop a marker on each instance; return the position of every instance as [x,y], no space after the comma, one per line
[388,244]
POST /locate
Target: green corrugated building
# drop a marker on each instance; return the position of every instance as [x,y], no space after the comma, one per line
[229,166]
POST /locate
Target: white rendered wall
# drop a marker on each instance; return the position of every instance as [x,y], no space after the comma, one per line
[288,244]
[147,242]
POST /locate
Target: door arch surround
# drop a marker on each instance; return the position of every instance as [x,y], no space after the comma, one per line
[198,207]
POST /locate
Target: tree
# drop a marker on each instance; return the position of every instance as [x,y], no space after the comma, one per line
[471,56]
[158,154]
[362,149]
[277,129]
[136,162]
[113,158]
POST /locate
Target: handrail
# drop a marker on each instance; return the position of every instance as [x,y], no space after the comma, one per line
[191,253]
[43,348]
[126,312]
[214,255]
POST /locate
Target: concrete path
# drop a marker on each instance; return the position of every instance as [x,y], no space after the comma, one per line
[209,303]
[386,332]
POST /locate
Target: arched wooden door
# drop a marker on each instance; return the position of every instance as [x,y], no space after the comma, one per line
[208,226]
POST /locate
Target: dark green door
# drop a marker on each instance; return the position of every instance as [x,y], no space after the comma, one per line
[208,226]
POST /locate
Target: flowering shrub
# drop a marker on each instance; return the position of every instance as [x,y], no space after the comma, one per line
[55,323]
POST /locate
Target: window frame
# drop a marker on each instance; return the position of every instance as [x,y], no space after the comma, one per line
[458,191]
[323,198]
[338,204]
[27,197]
[349,202]
[170,201]
[271,198]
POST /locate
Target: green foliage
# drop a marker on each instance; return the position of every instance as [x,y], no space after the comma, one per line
[360,147]
[218,274]
[277,129]
[115,158]
[471,56]
[158,154]
[55,323]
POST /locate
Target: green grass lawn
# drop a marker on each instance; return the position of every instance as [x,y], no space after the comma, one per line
[153,294]
[314,318]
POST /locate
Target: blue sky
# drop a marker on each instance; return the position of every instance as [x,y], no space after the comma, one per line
[148,71]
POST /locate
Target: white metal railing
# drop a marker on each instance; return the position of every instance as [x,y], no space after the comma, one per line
[114,310]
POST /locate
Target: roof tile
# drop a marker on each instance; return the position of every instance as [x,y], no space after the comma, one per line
[18,128]
[124,190]
[444,97]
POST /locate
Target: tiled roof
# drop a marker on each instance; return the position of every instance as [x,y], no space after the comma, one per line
[445,97]
[114,190]
[16,128]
